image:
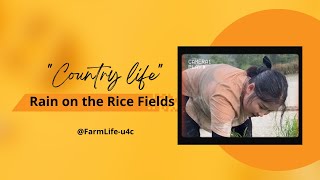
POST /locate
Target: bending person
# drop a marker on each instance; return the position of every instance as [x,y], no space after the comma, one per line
[220,97]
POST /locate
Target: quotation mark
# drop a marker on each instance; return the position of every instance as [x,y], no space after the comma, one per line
[160,65]
[49,65]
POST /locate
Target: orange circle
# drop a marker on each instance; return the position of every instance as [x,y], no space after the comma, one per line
[282,28]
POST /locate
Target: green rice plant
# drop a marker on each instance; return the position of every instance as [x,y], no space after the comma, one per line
[236,134]
[289,129]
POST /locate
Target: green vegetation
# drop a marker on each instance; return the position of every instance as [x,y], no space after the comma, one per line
[236,134]
[289,129]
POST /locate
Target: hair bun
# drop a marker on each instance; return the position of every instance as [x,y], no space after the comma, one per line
[267,62]
[253,71]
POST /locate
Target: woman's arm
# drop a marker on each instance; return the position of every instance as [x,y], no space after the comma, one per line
[222,115]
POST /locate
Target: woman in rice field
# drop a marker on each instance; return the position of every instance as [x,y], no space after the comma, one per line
[220,98]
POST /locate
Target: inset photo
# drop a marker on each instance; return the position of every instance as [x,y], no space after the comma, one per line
[240,95]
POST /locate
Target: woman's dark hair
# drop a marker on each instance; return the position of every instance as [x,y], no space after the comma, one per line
[270,85]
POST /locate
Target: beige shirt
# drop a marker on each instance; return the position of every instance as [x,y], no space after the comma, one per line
[215,96]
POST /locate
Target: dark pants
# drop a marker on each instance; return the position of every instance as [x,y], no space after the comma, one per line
[191,129]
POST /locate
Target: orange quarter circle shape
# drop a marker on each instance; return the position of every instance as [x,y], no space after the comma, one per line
[282,28]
